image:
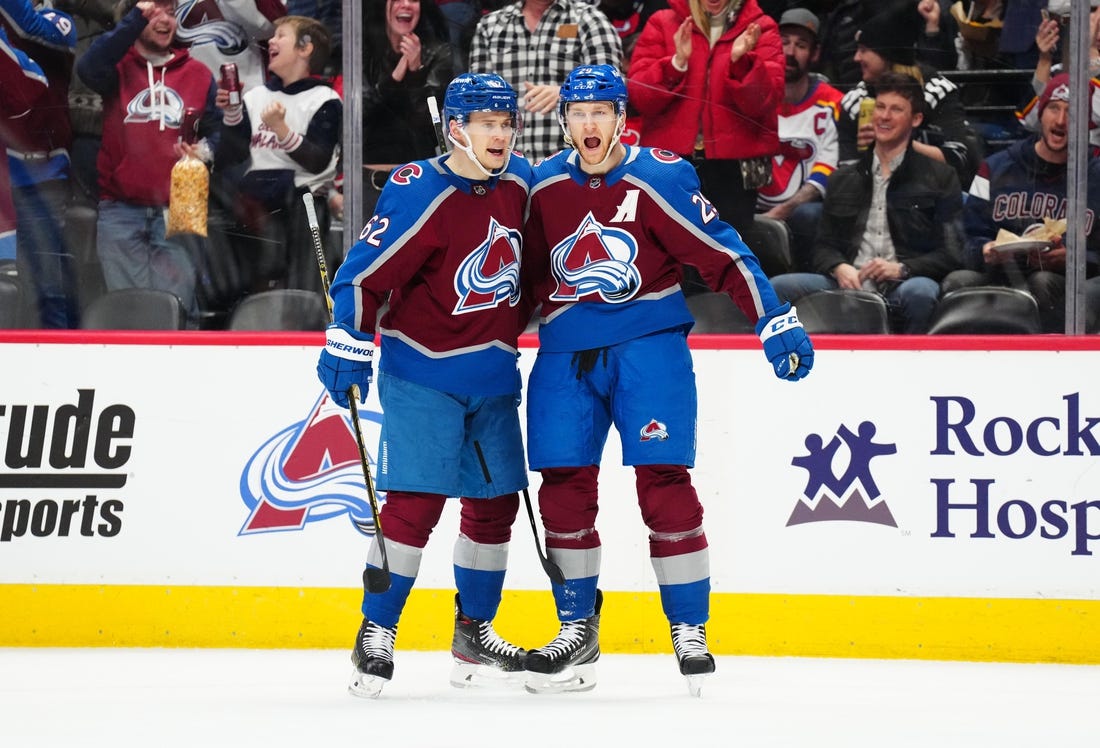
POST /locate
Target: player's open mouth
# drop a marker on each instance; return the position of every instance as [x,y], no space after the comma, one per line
[592,143]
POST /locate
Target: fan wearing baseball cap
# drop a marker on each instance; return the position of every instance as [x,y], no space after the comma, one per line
[807,137]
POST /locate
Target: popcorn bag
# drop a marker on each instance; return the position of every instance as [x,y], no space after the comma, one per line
[190,190]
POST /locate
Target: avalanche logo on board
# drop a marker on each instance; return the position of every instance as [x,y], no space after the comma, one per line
[309,472]
[853,495]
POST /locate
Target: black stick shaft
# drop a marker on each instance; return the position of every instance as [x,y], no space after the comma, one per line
[374,580]
[551,569]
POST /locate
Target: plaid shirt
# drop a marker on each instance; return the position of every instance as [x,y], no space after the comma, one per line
[570,33]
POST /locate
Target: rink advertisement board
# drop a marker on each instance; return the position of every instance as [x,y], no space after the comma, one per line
[934,500]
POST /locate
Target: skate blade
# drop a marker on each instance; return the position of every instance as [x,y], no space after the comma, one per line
[365,686]
[695,683]
[577,678]
[476,675]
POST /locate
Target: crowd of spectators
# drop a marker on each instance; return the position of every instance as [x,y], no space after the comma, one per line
[790,111]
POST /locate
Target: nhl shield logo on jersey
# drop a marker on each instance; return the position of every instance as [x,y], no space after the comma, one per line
[596,259]
[853,496]
[654,430]
[308,472]
[490,274]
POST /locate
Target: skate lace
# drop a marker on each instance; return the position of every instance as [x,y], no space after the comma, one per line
[689,639]
[493,642]
[378,641]
[569,638]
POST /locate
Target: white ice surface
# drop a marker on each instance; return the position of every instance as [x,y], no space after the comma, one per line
[274,698]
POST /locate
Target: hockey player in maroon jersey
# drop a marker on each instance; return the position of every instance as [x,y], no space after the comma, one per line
[444,245]
[609,228]
[38,145]
[24,85]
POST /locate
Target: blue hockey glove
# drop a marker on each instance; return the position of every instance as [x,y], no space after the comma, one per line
[785,343]
[347,359]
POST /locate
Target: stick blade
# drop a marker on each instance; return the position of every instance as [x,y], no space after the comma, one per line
[376,580]
[553,571]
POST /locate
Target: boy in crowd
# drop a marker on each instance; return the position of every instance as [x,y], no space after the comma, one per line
[289,129]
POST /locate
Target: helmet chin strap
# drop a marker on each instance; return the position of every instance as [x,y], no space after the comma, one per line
[468,149]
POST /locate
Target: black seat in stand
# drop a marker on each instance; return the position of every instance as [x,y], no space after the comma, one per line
[986,310]
[845,312]
[280,309]
[716,313]
[135,309]
[12,308]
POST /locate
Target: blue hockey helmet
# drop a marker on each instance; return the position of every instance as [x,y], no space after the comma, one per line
[478,92]
[593,83]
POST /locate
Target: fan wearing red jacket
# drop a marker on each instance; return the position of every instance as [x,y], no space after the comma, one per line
[707,77]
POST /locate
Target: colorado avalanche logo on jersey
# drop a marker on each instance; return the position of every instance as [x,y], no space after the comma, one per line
[406,174]
[654,430]
[202,22]
[490,274]
[596,259]
[141,108]
[667,157]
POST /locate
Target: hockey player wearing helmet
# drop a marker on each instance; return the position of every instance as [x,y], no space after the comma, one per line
[482,123]
[444,249]
[609,229]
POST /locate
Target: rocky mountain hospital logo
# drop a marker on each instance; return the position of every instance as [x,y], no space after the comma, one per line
[854,495]
[309,472]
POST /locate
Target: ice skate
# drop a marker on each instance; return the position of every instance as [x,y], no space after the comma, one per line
[373,660]
[482,659]
[696,663]
[568,663]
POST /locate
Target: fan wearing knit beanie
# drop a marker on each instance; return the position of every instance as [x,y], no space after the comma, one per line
[1023,187]
[888,41]
[891,36]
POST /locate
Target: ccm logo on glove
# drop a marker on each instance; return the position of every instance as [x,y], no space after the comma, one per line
[786,344]
[780,325]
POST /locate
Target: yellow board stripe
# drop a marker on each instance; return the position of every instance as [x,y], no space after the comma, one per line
[937,628]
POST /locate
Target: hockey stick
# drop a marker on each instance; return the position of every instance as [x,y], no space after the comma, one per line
[552,570]
[437,122]
[374,580]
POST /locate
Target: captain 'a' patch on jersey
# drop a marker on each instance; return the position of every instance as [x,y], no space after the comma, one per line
[490,273]
[596,259]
